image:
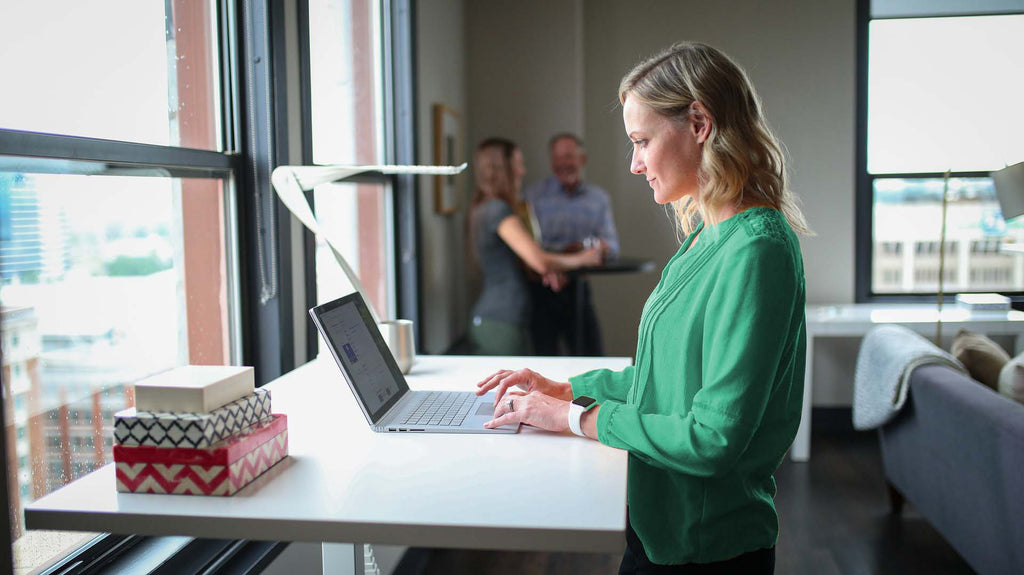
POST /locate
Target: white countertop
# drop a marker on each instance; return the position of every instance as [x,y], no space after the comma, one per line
[533,490]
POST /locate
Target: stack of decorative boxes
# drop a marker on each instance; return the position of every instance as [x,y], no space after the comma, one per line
[197,430]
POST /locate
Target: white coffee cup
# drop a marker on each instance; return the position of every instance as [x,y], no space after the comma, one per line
[398,334]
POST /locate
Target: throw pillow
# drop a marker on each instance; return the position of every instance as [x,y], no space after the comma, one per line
[982,357]
[1011,379]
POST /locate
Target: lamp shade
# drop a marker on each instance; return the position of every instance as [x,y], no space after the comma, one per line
[1009,184]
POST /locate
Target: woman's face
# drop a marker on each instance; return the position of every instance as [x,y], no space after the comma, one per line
[666,151]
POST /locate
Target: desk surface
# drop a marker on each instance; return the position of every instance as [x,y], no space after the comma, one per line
[344,483]
[858,318]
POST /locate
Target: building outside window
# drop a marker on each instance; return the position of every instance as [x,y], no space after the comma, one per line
[943,93]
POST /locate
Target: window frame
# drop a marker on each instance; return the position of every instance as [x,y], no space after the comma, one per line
[399,144]
[254,109]
[864,181]
[36,152]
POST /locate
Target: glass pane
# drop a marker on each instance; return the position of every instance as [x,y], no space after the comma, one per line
[345,76]
[356,217]
[103,281]
[119,69]
[944,94]
[907,231]
[346,106]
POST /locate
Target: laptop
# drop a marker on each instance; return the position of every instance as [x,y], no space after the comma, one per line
[379,386]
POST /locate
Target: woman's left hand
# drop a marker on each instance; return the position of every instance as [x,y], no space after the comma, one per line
[532,408]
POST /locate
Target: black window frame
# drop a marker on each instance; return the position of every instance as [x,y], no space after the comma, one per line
[864,224]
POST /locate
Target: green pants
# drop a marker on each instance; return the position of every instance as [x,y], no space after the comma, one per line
[491,337]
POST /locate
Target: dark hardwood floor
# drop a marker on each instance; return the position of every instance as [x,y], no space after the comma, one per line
[834,514]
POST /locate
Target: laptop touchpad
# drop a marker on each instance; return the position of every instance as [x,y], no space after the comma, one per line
[485,409]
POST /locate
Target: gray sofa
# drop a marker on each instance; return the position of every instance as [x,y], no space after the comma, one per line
[956,452]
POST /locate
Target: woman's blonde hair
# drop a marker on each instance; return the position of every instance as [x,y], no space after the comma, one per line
[742,162]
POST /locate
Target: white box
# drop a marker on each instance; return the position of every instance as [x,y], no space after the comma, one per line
[983,301]
[194,388]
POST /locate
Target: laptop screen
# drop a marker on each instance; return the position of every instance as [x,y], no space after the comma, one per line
[361,353]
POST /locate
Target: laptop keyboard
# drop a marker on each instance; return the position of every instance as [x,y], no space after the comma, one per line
[445,408]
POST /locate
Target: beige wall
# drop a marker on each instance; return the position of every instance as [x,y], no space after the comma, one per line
[525,73]
[532,68]
[441,69]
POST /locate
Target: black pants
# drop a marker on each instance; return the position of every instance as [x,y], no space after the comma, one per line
[635,562]
[555,319]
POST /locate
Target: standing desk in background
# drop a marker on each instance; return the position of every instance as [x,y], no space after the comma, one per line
[855,320]
[621,265]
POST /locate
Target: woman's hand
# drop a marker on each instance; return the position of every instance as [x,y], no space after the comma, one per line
[556,281]
[592,257]
[534,408]
[525,379]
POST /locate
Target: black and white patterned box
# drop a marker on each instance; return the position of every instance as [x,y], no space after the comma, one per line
[195,430]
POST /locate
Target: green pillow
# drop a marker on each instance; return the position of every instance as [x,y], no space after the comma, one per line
[982,357]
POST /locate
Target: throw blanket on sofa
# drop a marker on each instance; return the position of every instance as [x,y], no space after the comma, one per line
[888,355]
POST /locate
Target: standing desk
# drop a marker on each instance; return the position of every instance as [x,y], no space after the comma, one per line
[620,265]
[343,483]
[856,320]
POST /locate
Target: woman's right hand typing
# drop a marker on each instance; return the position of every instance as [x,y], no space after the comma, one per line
[525,379]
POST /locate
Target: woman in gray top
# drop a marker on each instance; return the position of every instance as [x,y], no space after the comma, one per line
[500,239]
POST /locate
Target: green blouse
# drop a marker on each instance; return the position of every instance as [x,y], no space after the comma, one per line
[713,401]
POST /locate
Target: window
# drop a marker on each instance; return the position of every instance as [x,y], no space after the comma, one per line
[131,165]
[940,94]
[347,109]
[119,70]
[117,207]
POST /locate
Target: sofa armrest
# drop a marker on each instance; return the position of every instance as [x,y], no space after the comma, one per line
[957,453]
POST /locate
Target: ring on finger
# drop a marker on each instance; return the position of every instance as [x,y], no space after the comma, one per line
[511,406]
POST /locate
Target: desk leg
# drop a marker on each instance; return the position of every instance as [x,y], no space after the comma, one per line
[801,449]
[343,559]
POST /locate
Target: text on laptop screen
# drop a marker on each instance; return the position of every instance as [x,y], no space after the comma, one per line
[355,347]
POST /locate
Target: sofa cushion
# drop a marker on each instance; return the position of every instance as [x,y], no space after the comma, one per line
[982,357]
[1011,379]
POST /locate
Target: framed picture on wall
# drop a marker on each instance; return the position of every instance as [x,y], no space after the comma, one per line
[447,152]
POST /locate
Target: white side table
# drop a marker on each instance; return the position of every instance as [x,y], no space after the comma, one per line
[855,320]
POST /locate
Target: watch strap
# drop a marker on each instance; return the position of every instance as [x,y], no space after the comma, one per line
[575,414]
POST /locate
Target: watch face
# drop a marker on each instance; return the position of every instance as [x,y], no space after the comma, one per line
[584,401]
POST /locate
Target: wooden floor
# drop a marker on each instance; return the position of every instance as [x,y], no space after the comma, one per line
[834,516]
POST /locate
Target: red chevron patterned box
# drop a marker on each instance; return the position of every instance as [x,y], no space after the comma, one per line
[221,469]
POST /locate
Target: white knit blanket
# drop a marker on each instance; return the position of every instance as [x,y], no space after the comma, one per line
[888,355]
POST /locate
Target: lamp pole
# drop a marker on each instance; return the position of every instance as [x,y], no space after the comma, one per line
[942,258]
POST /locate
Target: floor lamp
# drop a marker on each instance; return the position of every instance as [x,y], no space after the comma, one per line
[942,258]
[1009,184]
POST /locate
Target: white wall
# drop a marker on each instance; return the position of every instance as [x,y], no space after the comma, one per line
[440,62]
[525,74]
[523,60]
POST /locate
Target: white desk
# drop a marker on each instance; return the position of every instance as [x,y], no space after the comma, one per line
[855,320]
[533,490]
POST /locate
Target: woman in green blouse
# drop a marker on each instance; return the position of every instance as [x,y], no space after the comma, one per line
[713,401]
